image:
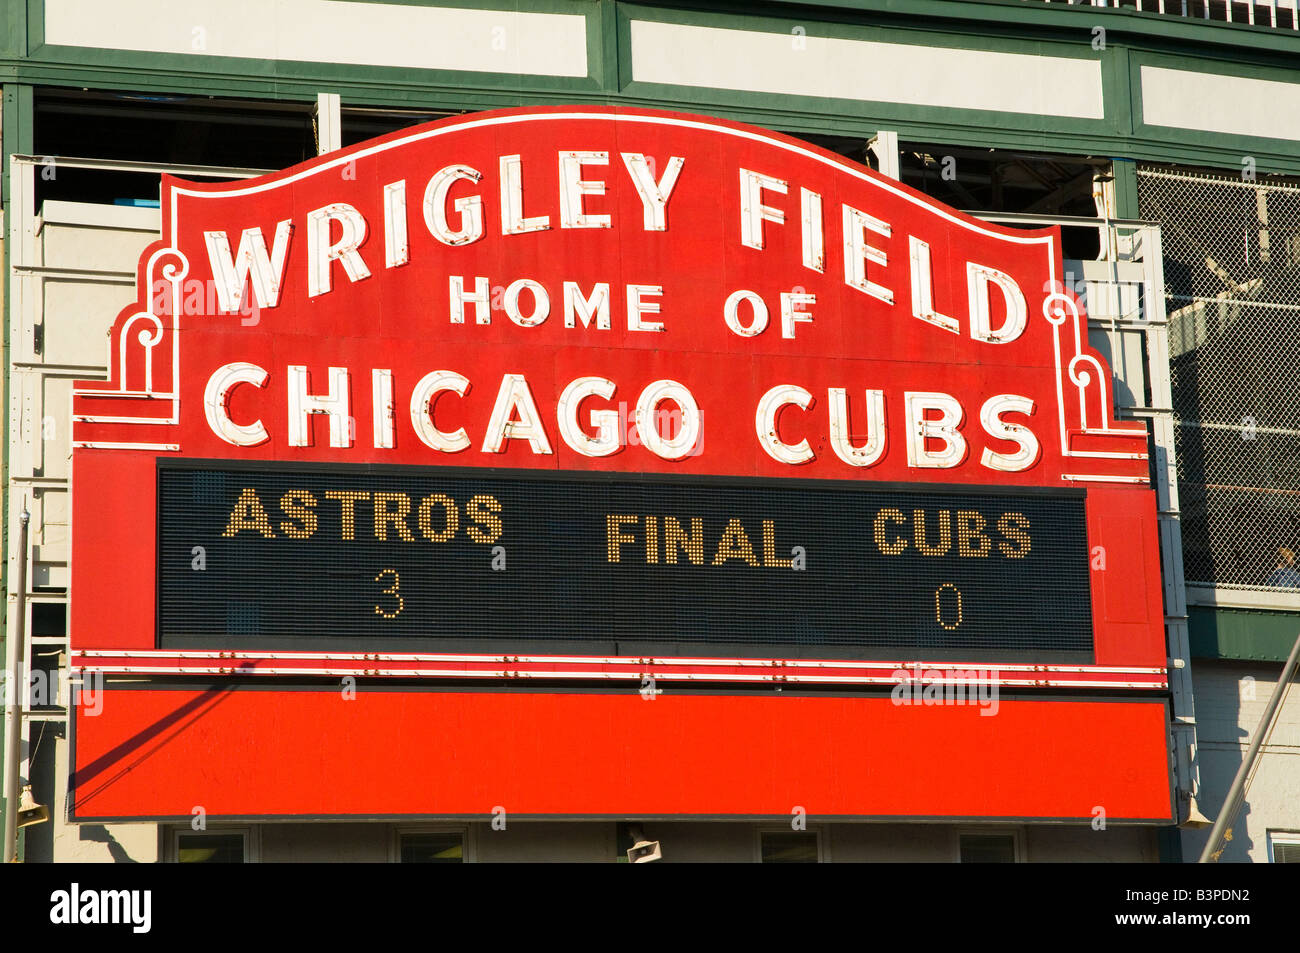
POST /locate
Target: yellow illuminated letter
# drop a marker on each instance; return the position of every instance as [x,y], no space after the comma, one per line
[675,536]
[971,540]
[295,504]
[396,516]
[249,513]
[1015,527]
[615,537]
[734,544]
[424,515]
[770,558]
[484,509]
[889,515]
[348,500]
[945,533]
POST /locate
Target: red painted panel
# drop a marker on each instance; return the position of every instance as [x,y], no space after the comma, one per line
[1127,602]
[156,753]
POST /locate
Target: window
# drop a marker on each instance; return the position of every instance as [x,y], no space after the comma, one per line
[211,847]
[1284,847]
[430,846]
[360,123]
[149,127]
[990,848]
[789,847]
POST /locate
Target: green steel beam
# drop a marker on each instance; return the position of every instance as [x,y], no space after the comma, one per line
[1247,634]
[1126,188]
[1132,40]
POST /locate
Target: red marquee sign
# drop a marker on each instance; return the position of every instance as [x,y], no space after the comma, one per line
[589,291]
[741,272]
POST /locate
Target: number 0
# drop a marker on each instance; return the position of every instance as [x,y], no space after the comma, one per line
[938,613]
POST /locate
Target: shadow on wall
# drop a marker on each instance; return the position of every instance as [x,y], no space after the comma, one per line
[1122,395]
[1220,756]
[101,835]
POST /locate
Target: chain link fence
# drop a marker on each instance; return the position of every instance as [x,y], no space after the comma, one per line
[1232,285]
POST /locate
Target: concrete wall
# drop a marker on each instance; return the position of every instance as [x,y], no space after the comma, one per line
[1230,700]
[544,842]
[58,328]
[324,843]
[682,842]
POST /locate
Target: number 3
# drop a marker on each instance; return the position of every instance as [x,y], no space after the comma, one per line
[391,591]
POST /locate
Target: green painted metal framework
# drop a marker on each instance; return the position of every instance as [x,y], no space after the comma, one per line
[1242,634]
[1131,40]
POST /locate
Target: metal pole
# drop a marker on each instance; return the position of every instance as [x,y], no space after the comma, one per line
[15,689]
[1232,803]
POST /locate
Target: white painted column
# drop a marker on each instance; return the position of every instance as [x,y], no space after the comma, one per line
[884,146]
[329,123]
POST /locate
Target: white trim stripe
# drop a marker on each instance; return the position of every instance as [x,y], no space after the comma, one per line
[104,445]
[797,63]
[1102,478]
[607,668]
[593,674]
[329,31]
[1231,105]
[627,660]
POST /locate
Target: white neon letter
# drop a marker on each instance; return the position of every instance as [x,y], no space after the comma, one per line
[573,188]
[513,396]
[814,240]
[321,253]
[647,421]
[216,398]
[334,405]
[470,208]
[541,303]
[920,429]
[396,246]
[769,406]
[979,277]
[266,271]
[636,307]
[512,202]
[731,313]
[923,287]
[857,252]
[792,310]
[654,196]
[991,417]
[870,452]
[458,298]
[753,213]
[605,421]
[423,397]
[381,392]
[584,308]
